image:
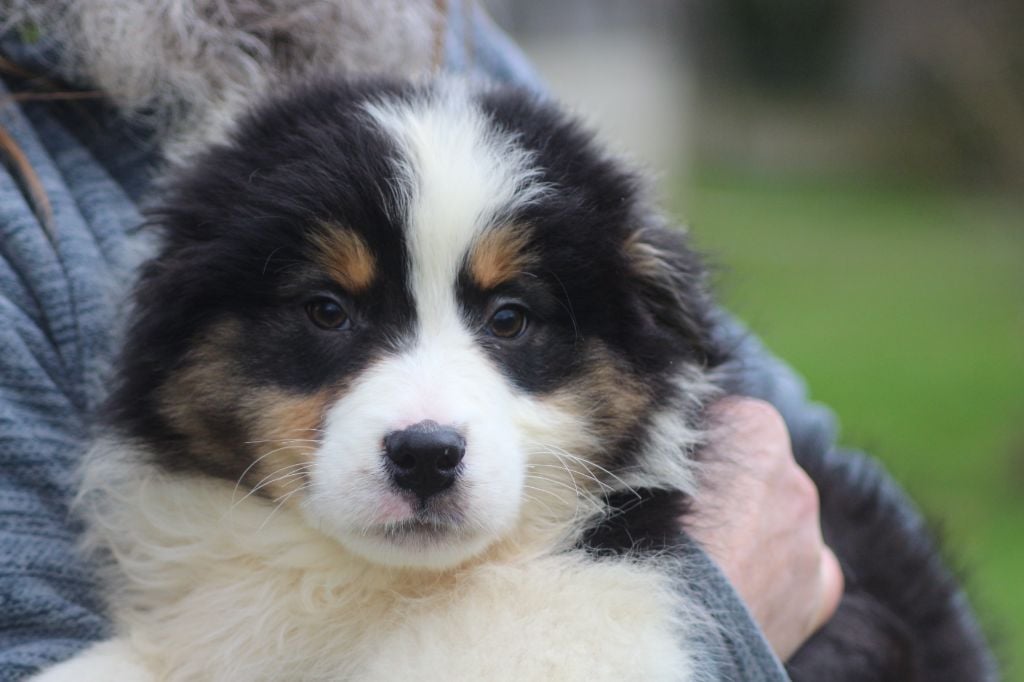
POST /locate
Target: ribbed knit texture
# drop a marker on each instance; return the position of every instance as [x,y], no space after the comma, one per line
[57,301]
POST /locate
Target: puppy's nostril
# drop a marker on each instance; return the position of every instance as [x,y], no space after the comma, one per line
[447,460]
[404,461]
[425,457]
[398,452]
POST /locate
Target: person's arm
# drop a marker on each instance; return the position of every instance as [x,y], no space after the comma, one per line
[57,287]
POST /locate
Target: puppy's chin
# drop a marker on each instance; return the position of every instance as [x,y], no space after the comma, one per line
[438,537]
[417,545]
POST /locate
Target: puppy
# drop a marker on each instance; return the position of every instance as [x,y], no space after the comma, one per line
[414,389]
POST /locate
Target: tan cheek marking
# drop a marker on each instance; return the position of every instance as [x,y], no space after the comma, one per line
[281,425]
[608,399]
[499,255]
[345,256]
[288,428]
[204,387]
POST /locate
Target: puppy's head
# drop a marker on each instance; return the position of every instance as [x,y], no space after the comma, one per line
[426,318]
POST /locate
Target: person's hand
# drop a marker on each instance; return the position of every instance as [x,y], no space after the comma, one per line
[758,518]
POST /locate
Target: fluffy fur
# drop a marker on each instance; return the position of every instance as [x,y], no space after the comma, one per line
[344,267]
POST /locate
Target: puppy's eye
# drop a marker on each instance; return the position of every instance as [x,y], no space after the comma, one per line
[328,314]
[508,322]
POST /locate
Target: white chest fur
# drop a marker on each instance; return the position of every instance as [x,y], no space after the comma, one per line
[208,594]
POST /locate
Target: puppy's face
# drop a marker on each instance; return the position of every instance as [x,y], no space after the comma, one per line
[426,319]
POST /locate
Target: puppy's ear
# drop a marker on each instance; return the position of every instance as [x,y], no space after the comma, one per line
[671,284]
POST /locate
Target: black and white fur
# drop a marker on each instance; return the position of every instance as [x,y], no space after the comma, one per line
[243,498]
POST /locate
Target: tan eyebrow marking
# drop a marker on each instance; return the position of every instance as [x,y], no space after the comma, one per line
[500,254]
[344,255]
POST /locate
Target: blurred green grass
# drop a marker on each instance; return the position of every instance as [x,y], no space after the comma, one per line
[904,309]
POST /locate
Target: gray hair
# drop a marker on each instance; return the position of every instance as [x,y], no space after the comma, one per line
[190,66]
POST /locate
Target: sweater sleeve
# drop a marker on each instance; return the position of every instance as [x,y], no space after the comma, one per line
[59,286]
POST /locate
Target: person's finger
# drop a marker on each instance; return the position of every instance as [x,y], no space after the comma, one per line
[832,584]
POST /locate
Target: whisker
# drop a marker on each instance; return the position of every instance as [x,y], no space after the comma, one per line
[278,506]
[553,494]
[251,465]
[562,465]
[283,440]
[574,488]
[588,463]
[298,472]
[238,483]
[531,498]
[299,468]
[587,474]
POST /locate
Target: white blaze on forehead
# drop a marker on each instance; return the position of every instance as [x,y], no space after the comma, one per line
[458,176]
[462,175]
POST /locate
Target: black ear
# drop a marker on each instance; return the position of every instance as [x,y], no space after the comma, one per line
[672,288]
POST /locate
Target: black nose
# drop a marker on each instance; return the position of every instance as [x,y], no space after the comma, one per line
[424,458]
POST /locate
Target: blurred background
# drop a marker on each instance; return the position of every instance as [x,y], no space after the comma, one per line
[856,170]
